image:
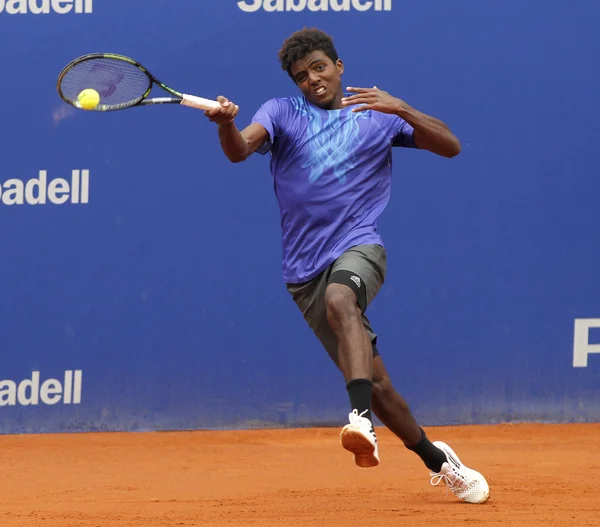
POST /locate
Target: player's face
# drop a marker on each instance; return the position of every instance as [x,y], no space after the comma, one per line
[319,79]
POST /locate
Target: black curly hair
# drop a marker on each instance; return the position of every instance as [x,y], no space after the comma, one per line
[303,42]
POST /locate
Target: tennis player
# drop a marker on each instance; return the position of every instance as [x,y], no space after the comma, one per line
[331,160]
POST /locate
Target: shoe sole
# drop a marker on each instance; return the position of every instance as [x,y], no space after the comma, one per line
[364,451]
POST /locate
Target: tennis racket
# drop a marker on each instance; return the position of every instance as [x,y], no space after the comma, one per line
[120,82]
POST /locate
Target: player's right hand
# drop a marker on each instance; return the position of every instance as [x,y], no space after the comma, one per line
[225,113]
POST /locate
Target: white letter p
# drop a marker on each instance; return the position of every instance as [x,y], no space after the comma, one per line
[581,341]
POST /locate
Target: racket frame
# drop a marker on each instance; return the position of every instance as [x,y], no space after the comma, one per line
[178,98]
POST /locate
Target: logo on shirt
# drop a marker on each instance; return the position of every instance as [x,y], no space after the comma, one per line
[333,138]
[251,6]
[42,7]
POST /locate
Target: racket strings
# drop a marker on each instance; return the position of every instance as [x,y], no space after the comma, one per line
[118,82]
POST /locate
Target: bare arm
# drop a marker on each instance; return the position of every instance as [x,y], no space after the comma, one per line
[430,133]
[236,145]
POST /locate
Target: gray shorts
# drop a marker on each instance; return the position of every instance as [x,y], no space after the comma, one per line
[368,263]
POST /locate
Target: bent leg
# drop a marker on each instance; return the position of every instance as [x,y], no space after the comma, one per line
[355,351]
[391,408]
[393,411]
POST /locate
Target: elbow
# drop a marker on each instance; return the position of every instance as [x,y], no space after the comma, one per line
[236,157]
[239,154]
[447,147]
[453,149]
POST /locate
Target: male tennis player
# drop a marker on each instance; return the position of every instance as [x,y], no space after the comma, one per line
[331,159]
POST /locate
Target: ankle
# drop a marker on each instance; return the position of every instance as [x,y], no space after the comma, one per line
[432,456]
[360,392]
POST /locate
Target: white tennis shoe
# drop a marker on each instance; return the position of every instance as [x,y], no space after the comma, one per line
[359,438]
[466,483]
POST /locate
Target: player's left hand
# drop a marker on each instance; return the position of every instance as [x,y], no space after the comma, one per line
[373,99]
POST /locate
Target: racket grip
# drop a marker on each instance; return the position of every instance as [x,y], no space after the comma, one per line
[198,102]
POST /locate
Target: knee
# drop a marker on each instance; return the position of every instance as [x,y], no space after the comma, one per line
[340,302]
[384,391]
[382,387]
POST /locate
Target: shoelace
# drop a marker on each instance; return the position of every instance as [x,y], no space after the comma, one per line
[356,416]
[355,412]
[458,483]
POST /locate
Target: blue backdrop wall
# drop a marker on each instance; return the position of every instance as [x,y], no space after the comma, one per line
[156,302]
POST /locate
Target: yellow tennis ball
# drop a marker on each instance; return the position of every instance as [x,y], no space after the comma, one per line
[88,99]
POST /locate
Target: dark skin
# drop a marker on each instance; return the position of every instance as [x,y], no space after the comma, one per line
[317,73]
[320,81]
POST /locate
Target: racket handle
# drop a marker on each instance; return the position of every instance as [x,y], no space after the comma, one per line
[198,102]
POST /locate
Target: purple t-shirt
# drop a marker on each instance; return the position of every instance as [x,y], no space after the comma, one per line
[332,174]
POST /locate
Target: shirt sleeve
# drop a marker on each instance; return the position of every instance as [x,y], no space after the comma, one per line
[403,135]
[268,116]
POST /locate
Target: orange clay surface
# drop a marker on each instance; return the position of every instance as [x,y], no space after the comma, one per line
[539,475]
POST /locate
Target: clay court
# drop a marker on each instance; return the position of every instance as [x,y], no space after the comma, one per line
[539,475]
